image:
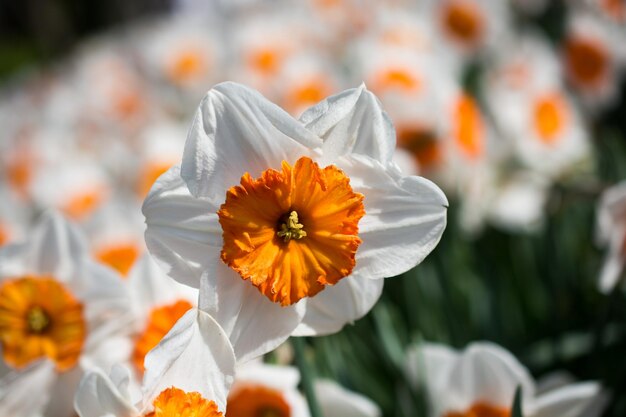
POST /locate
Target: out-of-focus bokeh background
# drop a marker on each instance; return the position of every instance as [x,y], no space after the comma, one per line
[516,109]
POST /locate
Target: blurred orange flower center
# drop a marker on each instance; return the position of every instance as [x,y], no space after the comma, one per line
[463,21]
[40,318]
[396,78]
[307,94]
[587,61]
[266,61]
[82,204]
[481,410]
[291,232]
[469,128]
[120,257]
[161,320]
[422,144]
[174,402]
[187,65]
[252,400]
[550,114]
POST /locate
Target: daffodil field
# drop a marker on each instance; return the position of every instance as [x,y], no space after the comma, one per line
[321,208]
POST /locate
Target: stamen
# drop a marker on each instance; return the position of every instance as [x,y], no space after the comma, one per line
[37,319]
[291,229]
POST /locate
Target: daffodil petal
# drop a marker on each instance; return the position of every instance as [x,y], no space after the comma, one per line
[98,396]
[16,390]
[337,305]
[195,356]
[54,247]
[253,323]
[352,122]
[570,401]
[183,233]
[150,286]
[237,130]
[404,218]
[486,371]
[337,401]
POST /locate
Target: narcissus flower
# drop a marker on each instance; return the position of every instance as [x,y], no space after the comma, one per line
[60,314]
[481,382]
[189,373]
[290,223]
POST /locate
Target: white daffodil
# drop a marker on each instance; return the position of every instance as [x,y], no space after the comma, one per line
[533,111]
[60,314]
[336,401]
[266,390]
[289,225]
[611,232]
[593,58]
[481,381]
[188,373]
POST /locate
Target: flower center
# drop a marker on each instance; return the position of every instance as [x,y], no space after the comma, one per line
[291,229]
[161,320]
[396,78]
[82,204]
[252,400]
[120,257]
[463,21]
[550,116]
[264,220]
[37,319]
[481,410]
[587,61]
[40,318]
[174,402]
[422,143]
[188,65]
[469,127]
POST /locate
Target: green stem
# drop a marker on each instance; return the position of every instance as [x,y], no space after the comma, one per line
[306,375]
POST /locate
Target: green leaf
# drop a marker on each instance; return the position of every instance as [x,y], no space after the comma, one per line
[516,409]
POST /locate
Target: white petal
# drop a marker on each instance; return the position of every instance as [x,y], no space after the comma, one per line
[55,247]
[404,218]
[195,356]
[62,393]
[149,287]
[253,323]
[430,364]
[611,272]
[236,130]
[352,122]
[98,396]
[336,401]
[340,304]
[273,376]
[17,388]
[486,372]
[572,401]
[183,233]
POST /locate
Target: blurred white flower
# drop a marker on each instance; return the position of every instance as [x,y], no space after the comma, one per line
[61,315]
[298,250]
[482,379]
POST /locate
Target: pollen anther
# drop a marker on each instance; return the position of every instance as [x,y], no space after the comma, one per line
[38,320]
[291,229]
